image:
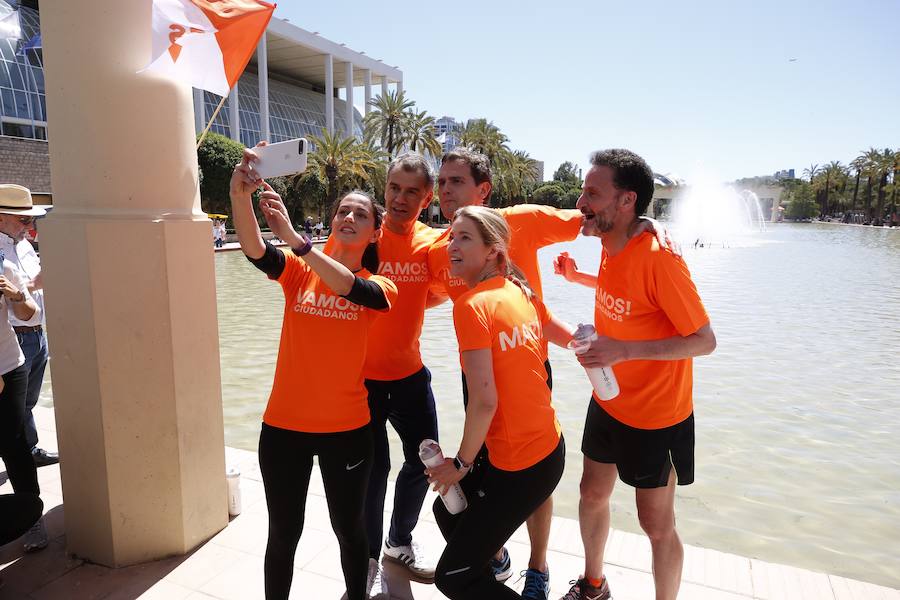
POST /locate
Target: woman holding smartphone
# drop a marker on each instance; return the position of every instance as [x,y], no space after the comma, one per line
[501,327]
[330,301]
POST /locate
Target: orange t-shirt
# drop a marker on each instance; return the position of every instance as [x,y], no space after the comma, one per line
[646,293]
[533,226]
[496,314]
[393,351]
[318,384]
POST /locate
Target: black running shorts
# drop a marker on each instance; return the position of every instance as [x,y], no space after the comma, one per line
[642,456]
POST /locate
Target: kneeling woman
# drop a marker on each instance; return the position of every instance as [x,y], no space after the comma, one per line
[318,402]
[501,326]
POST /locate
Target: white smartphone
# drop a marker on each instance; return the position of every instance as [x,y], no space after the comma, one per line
[283,158]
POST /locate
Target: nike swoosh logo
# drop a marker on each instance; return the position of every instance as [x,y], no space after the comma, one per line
[642,477]
[455,571]
[349,468]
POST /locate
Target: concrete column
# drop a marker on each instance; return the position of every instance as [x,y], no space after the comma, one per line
[130,295]
[329,93]
[348,115]
[199,112]
[384,84]
[234,117]
[367,81]
[399,87]
[262,61]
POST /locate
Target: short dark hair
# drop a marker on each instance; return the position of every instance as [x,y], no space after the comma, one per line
[630,172]
[413,162]
[478,163]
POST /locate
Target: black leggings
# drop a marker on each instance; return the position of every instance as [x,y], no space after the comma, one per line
[285,461]
[499,502]
[18,512]
[14,448]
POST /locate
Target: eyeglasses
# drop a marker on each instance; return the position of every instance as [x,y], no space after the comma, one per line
[26,220]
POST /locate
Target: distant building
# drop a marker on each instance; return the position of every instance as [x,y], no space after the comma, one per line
[539,170]
[447,130]
[785,174]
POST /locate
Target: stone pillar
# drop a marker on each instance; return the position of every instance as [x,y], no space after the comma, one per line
[199,113]
[348,115]
[384,84]
[329,93]
[130,294]
[399,87]
[262,61]
[367,82]
[234,116]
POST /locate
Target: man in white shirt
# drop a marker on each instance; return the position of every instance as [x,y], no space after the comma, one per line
[14,224]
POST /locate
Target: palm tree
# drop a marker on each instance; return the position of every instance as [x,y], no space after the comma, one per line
[812,171]
[389,118]
[834,174]
[858,164]
[339,161]
[517,174]
[485,137]
[872,163]
[419,134]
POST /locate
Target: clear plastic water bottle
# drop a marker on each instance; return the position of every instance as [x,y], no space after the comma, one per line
[602,378]
[431,456]
[233,477]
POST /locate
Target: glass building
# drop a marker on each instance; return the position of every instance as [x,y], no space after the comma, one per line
[24,109]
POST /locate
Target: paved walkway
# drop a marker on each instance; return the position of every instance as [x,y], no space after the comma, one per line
[229,566]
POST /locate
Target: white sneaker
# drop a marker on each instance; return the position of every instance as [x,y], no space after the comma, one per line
[413,558]
[376,583]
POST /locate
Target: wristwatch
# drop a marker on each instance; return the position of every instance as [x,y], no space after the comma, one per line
[304,249]
[461,465]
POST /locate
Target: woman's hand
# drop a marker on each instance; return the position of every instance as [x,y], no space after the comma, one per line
[662,234]
[443,476]
[276,215]
[244,180]
[11,292]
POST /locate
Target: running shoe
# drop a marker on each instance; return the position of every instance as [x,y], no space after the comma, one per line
[537,585]
[376,583]
[502,568]
[582,590]
[413,558]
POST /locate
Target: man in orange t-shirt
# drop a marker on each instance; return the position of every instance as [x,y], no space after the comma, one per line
[465,180]
[398,384]
[651,323]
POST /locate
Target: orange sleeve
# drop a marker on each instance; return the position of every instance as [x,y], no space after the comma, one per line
[473,329]
[388,287]
[543,313]
[676,293]
[295,270]
[545,225]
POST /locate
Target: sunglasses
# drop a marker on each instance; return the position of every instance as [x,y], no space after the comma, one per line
[26,220]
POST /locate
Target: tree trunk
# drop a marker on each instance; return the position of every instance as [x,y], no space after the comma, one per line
[881,183]
[331,175]
[855,191]
[869,199]
[825,196]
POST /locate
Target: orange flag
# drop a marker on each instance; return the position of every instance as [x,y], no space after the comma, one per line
[207,43]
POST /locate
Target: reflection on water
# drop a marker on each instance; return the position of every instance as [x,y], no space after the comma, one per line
[798,427]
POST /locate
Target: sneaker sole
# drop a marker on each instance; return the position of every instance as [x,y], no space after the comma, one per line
[413,575]
[504,575]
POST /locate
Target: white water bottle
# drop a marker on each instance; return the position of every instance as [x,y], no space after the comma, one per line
[431,456]
[602,378]
[233,477]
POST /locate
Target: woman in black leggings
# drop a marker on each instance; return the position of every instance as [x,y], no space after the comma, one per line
[501,327]
[330,301]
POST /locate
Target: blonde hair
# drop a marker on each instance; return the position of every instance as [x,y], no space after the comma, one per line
[494,231]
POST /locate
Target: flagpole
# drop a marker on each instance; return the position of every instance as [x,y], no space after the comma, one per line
[211,119]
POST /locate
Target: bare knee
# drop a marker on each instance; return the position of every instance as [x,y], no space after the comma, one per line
[595,491]
[658,525]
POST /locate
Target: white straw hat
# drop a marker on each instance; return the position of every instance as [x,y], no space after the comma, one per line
[16,200]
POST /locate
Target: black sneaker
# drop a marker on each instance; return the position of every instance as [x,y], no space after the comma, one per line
[42,458]
[582,590]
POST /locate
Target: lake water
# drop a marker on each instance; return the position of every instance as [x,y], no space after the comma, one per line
[798,427]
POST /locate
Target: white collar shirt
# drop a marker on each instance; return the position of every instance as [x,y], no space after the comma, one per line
[23,256]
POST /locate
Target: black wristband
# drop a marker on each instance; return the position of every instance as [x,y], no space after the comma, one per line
[304,249]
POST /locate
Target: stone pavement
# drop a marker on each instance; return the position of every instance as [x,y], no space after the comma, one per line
[229,566]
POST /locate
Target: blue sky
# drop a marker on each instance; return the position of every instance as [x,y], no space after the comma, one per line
[691,86]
